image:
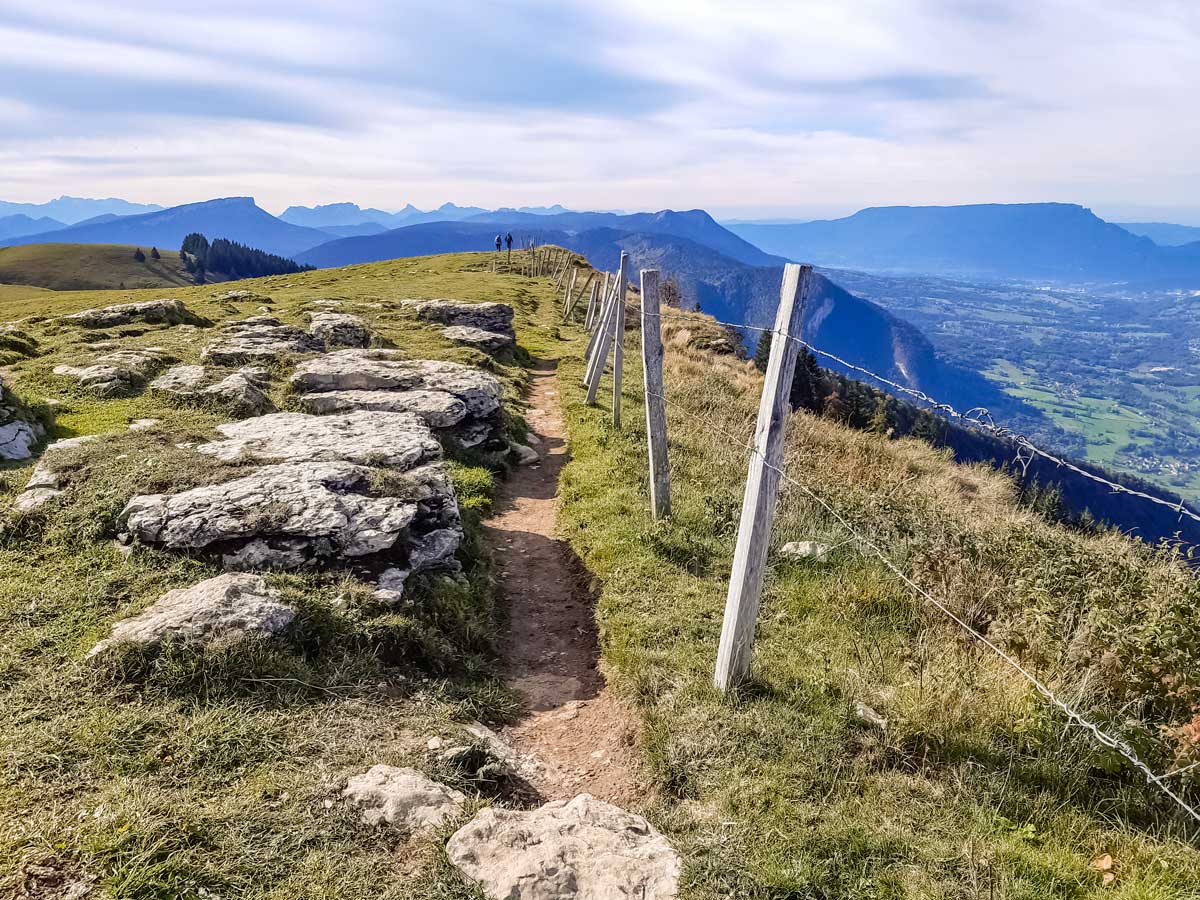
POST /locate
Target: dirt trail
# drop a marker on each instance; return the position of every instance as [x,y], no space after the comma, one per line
[575,738]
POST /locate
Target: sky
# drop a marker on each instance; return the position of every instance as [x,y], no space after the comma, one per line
[791,109]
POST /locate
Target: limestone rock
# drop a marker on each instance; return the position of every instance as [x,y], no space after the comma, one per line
[494,317]
[582,849]
[180,381]
[488,341]
[339,329]
[397,440]
[402,797]
[389,587]
[525,456]
[311,510]
[258,339]
[118,372]
[228,607]
[814,550]
[241,395]
[156,312]
[18,438]
[44,483]
[437,409]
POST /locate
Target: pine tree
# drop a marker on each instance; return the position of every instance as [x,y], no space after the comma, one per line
[139,255]
[154,254]
[881,422]
[762,352]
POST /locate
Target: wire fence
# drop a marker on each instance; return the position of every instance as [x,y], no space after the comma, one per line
[977,417]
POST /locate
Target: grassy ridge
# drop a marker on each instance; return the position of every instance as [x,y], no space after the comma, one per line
[171,775]
[85,267]
[974,789]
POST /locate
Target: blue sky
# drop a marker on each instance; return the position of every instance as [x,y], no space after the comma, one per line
[787,108]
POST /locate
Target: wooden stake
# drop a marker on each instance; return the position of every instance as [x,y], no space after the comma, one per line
[570,283]
[607,331]
[656,412]
[619,350]
[591,307]
[600,328]
[762,486]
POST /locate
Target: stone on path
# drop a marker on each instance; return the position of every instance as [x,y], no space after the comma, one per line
[814,550]
[155,312]
[402,797]
[524,456]
[259,339]
[488,341]
[396,440]
[120,371]
[339,329]
[582,849]
[226,608]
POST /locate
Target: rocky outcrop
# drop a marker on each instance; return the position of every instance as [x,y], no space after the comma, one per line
[259,340]
[44,482]
[227,608]
[19,431]
[339,329]
[581,849]
[180,381]
[437,409]
[395,440]
[294,513]
[154,312]
[402,797]
[242,393]
[485,326]
[359,378]
[118,372]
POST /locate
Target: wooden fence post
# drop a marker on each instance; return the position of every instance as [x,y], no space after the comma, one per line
[607,331]
[656,413]
[762,486]
[591,307]
[570,286]
[573,298]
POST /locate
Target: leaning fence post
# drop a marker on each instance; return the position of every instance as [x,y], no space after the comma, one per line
[656,413]
[606,332]
[591,307]
[762,486]
[570,286]
[618,352]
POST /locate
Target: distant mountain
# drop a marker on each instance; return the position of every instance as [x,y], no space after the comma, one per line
[1164,233]
[340,231]
[1024,241]
[839,322]
[234,218]
[73,210]
[21,224]
[335,215]
[341,215]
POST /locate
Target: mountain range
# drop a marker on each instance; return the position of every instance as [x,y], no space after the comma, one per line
[72,210]
[348,215]
[1164,233]
[1020,241]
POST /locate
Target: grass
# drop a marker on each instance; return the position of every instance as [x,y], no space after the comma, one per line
[84,267]
[178,774]
[974,789]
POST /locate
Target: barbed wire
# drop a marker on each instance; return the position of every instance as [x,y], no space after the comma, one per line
[978,417]
[1103,738]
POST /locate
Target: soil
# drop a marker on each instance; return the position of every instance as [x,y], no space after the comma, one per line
[576,737]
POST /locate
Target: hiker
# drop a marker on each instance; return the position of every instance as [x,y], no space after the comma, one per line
[497,243]
[508,240]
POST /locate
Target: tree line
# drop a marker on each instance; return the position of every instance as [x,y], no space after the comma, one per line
[232,260]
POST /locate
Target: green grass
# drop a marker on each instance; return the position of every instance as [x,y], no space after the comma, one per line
[975,789]
[83,267]
[168,774]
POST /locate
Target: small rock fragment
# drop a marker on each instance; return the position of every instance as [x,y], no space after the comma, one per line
[402,797]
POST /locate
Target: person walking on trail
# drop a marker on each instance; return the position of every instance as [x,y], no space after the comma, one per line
[508,248]
[497,243]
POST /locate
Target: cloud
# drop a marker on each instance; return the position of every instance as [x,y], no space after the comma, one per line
[819,107]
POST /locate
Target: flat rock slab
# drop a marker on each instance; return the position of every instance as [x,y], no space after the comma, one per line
[339,329]
[44,482]
[581,849]
[226,608]
[180,381]
[437,409]
[392,439]
[494,317]
[389,370]
[156,312]
[17,439]
[259,339]
[241,394]
[120,371]
[489,341]
[402,797]
[303,511]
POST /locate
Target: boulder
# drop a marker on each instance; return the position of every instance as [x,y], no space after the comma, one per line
[494,317]
[226,608]
[488,341]
[18,438]
[402,797]
[582,849]
[437,409]
[396,440]
[241,394]
[180,381]
[118,372]
[306,511]
[814,550]
[156,312]
[258,339]
[339,329]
